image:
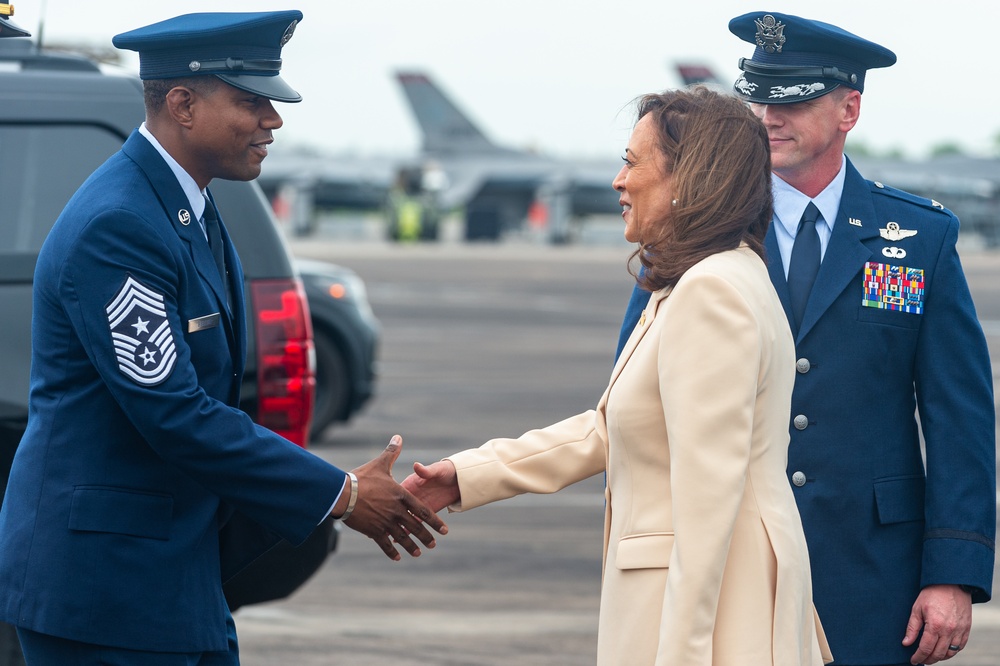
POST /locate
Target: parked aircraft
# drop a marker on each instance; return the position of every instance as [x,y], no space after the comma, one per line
[497,186]
[458,168]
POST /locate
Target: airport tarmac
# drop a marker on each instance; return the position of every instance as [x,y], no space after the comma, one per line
[481,341]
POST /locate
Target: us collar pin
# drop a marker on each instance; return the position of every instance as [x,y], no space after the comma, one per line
[892,232]
[184,217]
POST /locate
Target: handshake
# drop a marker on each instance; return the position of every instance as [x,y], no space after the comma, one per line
[390,513]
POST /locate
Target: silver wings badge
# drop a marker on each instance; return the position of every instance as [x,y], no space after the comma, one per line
[892,232]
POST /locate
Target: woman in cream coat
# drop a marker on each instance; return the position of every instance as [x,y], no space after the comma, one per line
[705,562]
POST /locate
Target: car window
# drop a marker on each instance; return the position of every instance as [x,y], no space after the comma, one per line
[41,166]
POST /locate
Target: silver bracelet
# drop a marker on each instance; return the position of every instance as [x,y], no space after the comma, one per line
[354,497]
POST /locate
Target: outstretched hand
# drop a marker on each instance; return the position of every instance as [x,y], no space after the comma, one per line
[386,512]
[435,485]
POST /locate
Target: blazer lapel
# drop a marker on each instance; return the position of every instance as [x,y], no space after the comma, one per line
[846,252]
[655,299]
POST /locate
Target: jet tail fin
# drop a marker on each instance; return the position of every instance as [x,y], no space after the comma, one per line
[692,73]
[446,129]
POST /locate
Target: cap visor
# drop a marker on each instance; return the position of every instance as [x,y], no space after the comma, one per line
[10,29]
[271,87]
[781,89]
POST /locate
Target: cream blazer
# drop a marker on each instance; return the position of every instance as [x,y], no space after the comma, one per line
[705,561]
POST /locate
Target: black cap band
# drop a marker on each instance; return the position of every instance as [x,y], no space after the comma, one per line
[762,69]
[235,65]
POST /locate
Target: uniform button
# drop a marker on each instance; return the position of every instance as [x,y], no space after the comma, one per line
[801,422]
[802,366]
[799,479]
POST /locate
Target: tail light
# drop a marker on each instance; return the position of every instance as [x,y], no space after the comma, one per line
[286,359]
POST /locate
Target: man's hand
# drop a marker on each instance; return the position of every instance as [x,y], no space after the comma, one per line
[944,612]
[386,512]
[436,485]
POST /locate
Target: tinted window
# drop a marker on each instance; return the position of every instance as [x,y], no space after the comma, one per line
[41,166]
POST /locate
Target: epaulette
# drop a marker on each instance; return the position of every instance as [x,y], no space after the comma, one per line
[930,204]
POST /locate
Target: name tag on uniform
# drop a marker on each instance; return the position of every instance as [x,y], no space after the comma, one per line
[202,323]
[890,287]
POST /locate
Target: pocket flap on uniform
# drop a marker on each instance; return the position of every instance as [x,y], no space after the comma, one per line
[900,500]
[121,511]
[645,551]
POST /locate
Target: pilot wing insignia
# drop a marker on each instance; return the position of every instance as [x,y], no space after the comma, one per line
[141,335]
[892,232]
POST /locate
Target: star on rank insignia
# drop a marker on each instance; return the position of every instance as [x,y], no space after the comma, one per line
[140,331]
[892,232]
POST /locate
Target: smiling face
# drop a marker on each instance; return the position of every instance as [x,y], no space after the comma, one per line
[807,138]
[643,183]
[230,133]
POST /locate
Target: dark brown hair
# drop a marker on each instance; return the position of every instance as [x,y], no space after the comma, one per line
[716,151]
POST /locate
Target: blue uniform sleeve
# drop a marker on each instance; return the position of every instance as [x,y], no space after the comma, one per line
[179,411]
[954,388]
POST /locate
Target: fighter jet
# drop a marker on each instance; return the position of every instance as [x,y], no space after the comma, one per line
[500,187]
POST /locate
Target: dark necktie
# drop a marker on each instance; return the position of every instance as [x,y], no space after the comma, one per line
[215,243]
[804,265]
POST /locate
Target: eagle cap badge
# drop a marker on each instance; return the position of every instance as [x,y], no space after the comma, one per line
[770,33]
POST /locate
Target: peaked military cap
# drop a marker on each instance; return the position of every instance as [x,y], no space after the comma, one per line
[241,48]
[797,59]
[7,27]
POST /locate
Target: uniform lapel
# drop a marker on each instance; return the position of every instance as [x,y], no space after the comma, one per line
[776,270]
[178,210]
[846,253]
[238,321]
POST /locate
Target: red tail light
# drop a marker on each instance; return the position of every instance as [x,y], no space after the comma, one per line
[286,359]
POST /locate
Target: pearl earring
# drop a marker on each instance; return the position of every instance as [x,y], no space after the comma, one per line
[674,202]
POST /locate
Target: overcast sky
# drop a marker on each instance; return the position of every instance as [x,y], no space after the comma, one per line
[557,75]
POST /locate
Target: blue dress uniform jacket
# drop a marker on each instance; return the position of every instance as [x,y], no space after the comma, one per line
[879,527]
[109,532]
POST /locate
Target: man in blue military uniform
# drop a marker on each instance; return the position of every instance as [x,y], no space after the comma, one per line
[884,327]
[139,487]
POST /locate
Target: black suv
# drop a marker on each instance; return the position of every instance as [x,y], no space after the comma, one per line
[61,116]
